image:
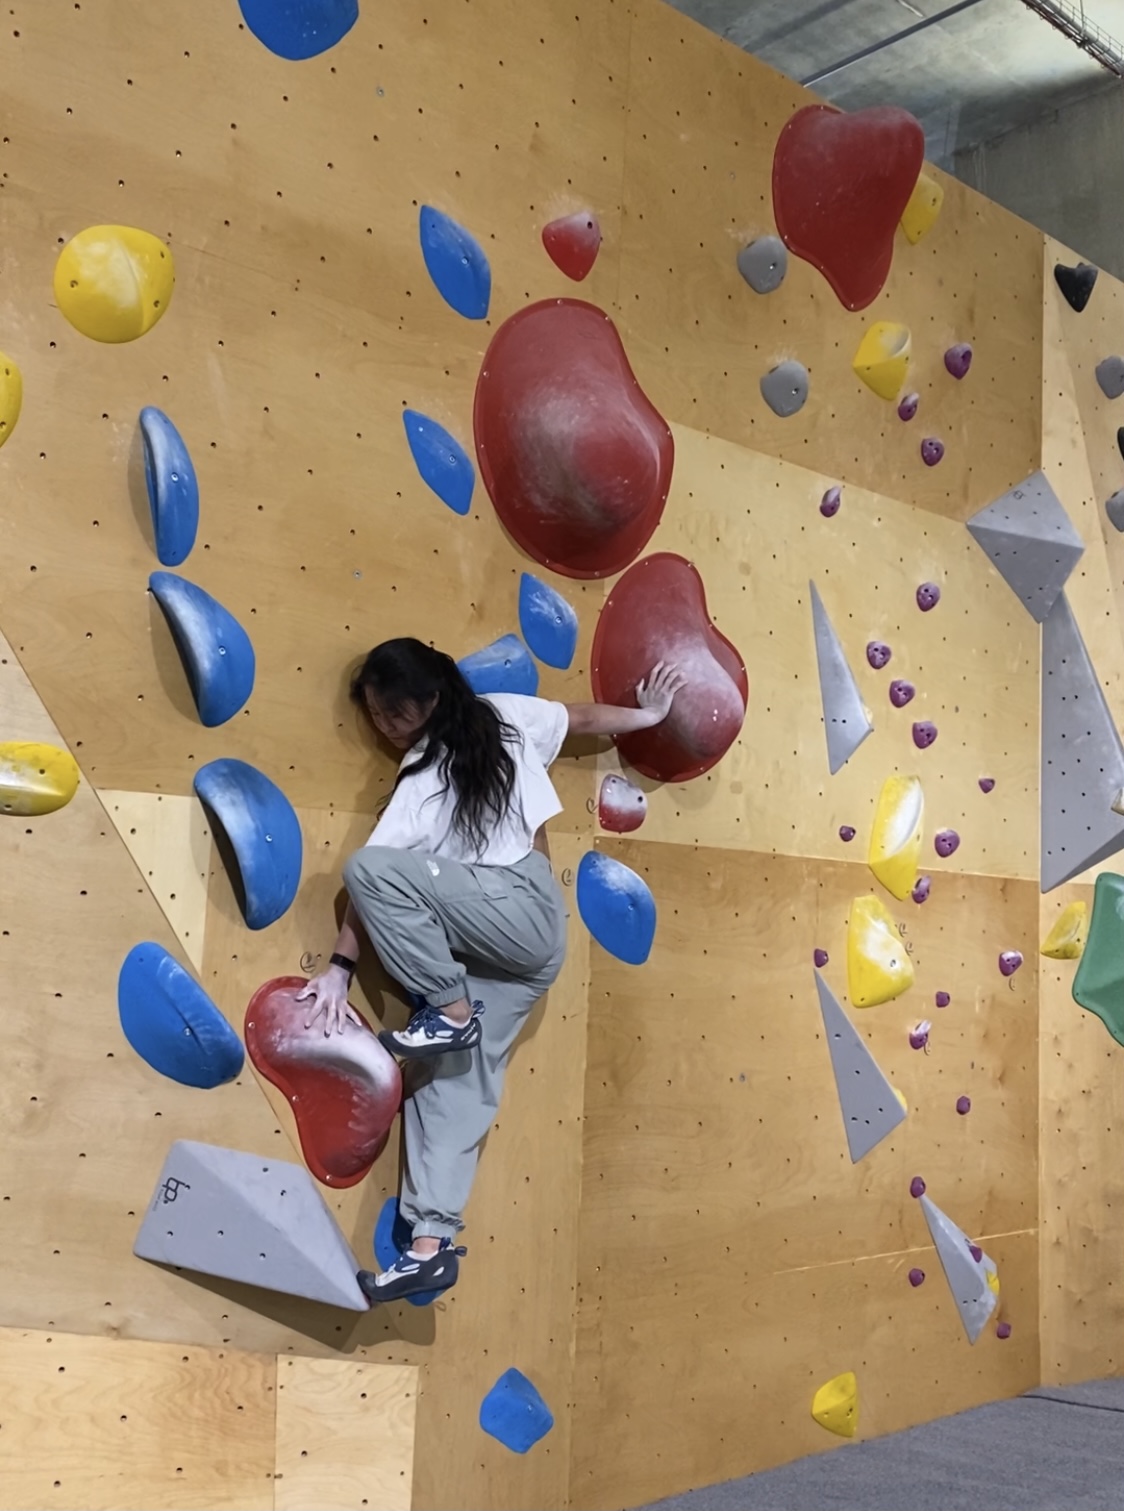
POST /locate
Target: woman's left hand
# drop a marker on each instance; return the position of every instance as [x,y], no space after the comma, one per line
[656,695]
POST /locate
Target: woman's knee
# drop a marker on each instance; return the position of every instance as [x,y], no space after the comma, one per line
[367,870]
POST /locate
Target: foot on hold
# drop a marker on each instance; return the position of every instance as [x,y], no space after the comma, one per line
[429,1032]
[411,1273]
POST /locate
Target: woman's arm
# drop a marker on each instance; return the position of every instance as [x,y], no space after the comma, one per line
[654,699]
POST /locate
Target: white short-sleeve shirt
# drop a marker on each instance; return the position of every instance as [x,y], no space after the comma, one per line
[420,813]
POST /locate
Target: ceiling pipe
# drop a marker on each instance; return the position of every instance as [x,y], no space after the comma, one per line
[1086,35]
[899,36]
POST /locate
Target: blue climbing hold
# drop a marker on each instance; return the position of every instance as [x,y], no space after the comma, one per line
[173,489]
[548,622]
[297,29]
[456,263]
[616,907]
[515,1413]
[441,460]
[505,666]
[392,1238]
[264,834]
[214,648]
[172,1024]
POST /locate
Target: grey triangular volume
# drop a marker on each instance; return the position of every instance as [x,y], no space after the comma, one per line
[250,1218]
[866,1099]
[1031,541]
[967,1277]
[1082,757]
[845,720]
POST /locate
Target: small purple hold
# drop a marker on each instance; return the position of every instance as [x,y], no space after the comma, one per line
[1009,962]
[924,733]
[878,654]
[963,1105]
[1003,1330]
[829,504]
[916,1187]
[946,842]
[820,957]
[931,450]
[908,406]
[976,1252]
[846,833]
[921,889]
[916,1278]
[919,1035]
[958,359]
[901,692]
[942,999]
[928,596]
[987,784]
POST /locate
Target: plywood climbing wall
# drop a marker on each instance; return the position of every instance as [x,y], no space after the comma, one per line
[666,1195]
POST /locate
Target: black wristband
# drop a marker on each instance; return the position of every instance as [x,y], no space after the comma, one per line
[344,964]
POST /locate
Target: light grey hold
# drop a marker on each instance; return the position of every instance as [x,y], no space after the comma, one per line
[1030,541]
[846,721]
[785,388]
[249,1218]
[763,264]
[866,1099]
[1114,508]
[1110,376]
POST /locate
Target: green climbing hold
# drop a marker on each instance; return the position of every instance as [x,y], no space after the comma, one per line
[1098,985]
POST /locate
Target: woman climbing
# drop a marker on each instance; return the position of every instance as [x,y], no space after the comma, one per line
[455,891]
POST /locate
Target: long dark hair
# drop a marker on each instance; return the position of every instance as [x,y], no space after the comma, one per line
[465,734]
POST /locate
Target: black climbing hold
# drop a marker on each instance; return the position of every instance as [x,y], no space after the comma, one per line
[1120,439]
[1076,283]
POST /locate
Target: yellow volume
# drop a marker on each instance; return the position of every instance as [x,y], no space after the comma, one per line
[113,283]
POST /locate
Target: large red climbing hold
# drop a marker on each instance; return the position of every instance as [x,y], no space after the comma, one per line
[840,184]
[576,459]
[657,612]
[573,242]
[344,1089]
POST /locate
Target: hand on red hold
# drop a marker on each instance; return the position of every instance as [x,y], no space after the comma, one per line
[655,695]
[328,994]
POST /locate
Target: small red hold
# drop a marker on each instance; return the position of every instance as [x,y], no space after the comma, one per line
[829,504]
[924,733]
[916,1278]
[987,784]
[840,184]
[908,406]
[820,957]
[621,806]
[846,833]
[963,1105]
[932,449]
[958,359]
[573,243]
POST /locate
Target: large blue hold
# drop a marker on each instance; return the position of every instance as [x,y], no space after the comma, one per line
[505,666]
[456,263]
[616,907]
[441,460]
[297,29]
[548,622]
[515,1413]
[173,489]
[172,1024]
[264,834]
[392,1238]
[214,648]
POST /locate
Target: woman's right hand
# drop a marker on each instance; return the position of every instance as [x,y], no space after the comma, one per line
[327,994]
[656,695]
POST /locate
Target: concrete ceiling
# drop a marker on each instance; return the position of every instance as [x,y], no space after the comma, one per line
[978,74]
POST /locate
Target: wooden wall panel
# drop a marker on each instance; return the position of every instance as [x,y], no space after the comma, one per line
[127,1426]
[752,526]
[702,120]
[720,1207]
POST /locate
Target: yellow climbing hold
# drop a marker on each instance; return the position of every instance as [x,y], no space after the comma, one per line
[992,1278]
[882,359]
[1066,939]
[35,779]
[836,1405]
[923,208]
[878,964]
[895,837]
[901,1098]
[114,282]
[11,396]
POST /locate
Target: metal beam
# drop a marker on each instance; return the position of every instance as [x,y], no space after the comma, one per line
[1089,37]
[900,36]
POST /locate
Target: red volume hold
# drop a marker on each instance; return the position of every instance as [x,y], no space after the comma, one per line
[840,184]
[576,459]
[573,243]
[657,612]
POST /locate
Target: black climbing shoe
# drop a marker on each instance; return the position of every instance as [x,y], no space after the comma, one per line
[429,1032]
[410,1274]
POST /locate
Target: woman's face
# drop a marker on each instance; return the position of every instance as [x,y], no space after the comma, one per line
[402,727]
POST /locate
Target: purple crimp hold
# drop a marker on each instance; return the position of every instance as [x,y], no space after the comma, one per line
[902,692]
[878,654]
[924,733]
[946,842]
